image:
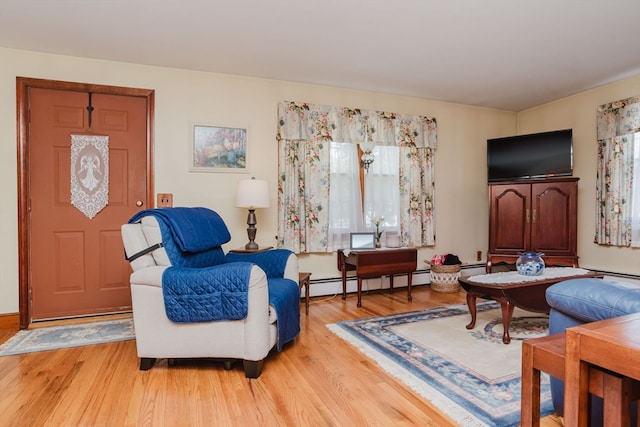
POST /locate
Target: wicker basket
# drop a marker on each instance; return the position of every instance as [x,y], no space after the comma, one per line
[444,278]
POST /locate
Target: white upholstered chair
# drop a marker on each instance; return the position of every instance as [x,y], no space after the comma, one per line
[249,339]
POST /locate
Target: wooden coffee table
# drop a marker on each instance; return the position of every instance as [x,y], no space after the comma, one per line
[528,296]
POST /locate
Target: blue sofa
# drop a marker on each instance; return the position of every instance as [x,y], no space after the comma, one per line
[577,301]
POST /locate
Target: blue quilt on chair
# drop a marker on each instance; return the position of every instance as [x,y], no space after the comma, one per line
[272,262]
[284,295]
[193,229]
[206,294]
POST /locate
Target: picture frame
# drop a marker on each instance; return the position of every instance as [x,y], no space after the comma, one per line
[359,241]
[216,148]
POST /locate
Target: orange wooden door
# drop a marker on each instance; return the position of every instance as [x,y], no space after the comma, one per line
[77,263]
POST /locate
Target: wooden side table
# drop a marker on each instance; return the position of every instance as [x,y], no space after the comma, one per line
[305,280]
[612,345]
[251,251]
[544,354]
[547,354]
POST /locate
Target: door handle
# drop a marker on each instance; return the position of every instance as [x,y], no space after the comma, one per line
[139,203]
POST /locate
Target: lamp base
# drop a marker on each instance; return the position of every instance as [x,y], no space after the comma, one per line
[251,231]
[251,246]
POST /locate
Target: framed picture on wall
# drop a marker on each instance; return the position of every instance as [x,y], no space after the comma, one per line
[218,149]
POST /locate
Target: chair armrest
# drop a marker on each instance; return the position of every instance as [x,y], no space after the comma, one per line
[276,263]
[150,276]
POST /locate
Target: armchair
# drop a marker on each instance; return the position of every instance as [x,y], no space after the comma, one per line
[190,300]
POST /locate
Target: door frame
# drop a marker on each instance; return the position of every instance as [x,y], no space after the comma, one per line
[23,84]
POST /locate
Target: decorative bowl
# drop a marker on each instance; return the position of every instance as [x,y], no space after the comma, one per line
[530,264]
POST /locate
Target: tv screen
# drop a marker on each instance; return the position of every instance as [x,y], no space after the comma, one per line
[536,155]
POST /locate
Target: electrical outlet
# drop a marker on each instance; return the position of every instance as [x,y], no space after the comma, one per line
[164,200]
[479,256]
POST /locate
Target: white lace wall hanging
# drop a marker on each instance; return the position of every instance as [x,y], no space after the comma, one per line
[89,173]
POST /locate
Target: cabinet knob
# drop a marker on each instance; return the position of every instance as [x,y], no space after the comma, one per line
[139,203]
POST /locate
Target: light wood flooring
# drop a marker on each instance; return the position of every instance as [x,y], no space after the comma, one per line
[318,380]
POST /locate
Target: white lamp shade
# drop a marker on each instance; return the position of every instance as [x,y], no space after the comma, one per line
[367,146]
[252,193]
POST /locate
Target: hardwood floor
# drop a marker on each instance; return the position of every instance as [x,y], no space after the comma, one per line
[318,380]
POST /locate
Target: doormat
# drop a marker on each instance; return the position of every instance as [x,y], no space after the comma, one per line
[470,375]
[66,336]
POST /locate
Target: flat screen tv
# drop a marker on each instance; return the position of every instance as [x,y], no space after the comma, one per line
[537,155]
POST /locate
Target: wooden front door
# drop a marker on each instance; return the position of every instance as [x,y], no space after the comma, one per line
[75,263]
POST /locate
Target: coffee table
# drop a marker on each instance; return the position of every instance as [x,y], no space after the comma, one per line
[528,295]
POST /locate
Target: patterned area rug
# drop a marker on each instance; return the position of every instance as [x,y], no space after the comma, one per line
[56,337]
[470,375]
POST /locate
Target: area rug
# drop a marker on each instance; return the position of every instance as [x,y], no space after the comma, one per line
[57,337]
[470,375]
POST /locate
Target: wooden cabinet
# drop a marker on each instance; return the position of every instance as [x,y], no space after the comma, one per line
[534,215]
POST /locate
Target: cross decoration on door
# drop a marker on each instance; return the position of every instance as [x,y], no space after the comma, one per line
[89,173]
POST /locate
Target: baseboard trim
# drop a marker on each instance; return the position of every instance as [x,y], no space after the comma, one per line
[10,322]
[333,285]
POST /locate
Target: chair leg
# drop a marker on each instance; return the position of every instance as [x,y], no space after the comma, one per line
[252,368]
[146,363]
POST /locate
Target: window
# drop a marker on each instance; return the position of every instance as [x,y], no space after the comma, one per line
[379,185]
[382,189]
[323,193]
[345,197]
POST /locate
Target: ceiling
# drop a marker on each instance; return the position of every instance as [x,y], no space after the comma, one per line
[505,54]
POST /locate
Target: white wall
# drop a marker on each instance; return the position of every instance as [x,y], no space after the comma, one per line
[579,113]
[187,96]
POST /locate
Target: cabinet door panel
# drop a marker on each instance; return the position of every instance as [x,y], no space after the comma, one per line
[510,218]
[553,224]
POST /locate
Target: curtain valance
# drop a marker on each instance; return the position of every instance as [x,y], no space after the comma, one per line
[619,118]
[301,121]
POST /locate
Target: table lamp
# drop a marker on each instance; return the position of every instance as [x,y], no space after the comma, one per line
[252,194]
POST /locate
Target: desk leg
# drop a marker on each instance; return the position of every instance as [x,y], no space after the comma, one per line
[391,283]
[409,297]
[344,282]
[359,291]
[471,303]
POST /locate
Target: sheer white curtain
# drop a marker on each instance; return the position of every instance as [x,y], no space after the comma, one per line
[382,190]
[345,199]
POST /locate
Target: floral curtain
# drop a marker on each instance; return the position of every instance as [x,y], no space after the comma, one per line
[304,131]
[617,122]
